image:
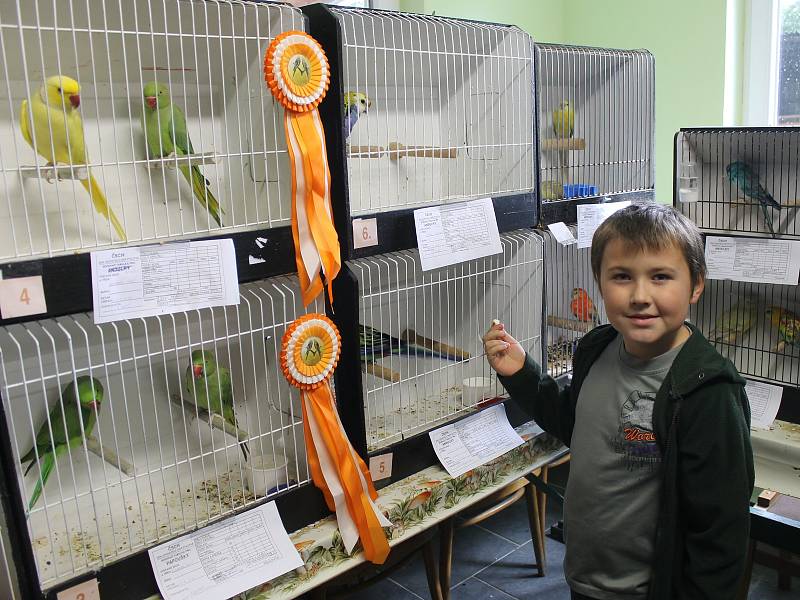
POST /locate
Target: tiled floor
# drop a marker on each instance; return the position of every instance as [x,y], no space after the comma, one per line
[493,561]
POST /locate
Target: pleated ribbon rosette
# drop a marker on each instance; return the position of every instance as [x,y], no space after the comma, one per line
[297,73]
[310,351]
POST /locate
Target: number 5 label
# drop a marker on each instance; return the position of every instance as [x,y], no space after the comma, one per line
[22,296]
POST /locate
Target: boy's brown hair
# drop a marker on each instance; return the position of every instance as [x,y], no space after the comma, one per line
[651,226]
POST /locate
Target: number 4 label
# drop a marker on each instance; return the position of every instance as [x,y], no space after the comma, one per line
[22,296]
[88,590]
[365,233]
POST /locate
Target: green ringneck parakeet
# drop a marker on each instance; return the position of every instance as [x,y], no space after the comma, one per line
[746,180]
[734,323]
[65,422]
[788,324]
[53,127]
[209,386]
[355,105]
[166,133]
[564,120]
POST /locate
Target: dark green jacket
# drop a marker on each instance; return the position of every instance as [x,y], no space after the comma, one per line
[701,420]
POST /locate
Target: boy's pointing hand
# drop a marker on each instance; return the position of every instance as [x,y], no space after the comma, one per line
[505,354]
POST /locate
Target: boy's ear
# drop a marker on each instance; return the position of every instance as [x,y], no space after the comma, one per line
[697,290]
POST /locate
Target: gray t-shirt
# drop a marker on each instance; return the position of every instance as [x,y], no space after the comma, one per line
[612,496]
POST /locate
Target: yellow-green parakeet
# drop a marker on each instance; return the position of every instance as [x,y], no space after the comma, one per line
[65,423]
[788,324]
[53,127]
[564,120]
[734,323]
[166,134]
[355,105]
[209,386]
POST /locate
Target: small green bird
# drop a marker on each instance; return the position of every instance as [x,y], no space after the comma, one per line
[165,130]
[355,105]
[209,386]
[746,180]
[564,120]
[788,325]
[65,422]
[734,323]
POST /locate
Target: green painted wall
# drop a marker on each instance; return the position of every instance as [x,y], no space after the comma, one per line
[687,38]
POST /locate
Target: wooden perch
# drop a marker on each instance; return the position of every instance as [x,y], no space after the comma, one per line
[379,371]
[170,162]
[52,172]
[563,144]
[213,419]
[108,455]
[398,150]
[411,336]
[790,204]
[366,151]
[571,324]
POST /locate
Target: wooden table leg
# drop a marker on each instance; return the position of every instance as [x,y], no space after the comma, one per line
[431,571]
[446,556]
[535,524]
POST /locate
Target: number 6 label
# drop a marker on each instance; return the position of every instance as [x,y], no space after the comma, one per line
[88,590]
[365,233]
[22,296]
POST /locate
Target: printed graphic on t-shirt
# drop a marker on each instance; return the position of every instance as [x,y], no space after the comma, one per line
[635,439]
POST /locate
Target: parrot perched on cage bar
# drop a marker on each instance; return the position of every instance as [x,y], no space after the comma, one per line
[65,423]
[165,130]
[746,180]
[788,325]
[376,345]
[583,308]
[209,387]
[564,120]
[53,127]
[355,105]
[734,323]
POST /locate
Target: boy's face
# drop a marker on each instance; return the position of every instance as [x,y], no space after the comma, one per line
[647,296]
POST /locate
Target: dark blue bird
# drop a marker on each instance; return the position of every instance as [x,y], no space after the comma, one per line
[743,176]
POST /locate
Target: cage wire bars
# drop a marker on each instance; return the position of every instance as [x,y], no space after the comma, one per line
[155,171]
[596,118]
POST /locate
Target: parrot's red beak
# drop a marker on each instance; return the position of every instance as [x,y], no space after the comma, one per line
[151,101]
[93,405]
[75,100]
[198,371]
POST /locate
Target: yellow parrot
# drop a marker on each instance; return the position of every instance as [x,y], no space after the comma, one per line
[564,120]
[54,110]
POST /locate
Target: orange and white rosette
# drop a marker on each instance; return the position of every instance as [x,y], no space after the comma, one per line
[310,351]
[297,73]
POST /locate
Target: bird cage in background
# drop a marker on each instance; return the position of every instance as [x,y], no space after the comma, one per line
[743,180]
[158,159]
[755,325]
[425,110]
[596,112]
[420,333]
[573,305]
[149,460]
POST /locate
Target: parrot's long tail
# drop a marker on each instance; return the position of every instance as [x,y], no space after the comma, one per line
[203,192]
[101,205]
[46,465]
[243,445]
[767,218]
[414,350]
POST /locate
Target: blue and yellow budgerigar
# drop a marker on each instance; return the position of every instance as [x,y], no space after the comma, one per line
[746,180]
[52,125]
[564,120]
[355,105]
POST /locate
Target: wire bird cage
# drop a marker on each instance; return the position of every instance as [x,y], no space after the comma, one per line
[755,325]
[573,305]
[596,111]
[158,455]
[740,179]
[420,333]
[430,109]
[223,132]
[8,579]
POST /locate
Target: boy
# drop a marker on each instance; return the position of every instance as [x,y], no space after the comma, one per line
[657,502]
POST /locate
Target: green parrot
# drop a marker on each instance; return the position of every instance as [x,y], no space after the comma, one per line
[209,387]
[65,421]
[564,120]
[165,129]
[734,323]
[788,324]
[746,180]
